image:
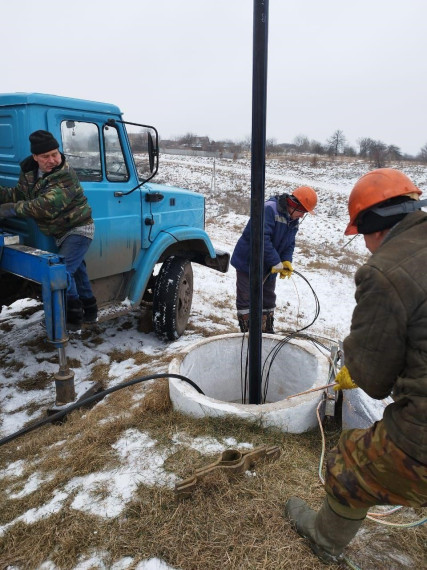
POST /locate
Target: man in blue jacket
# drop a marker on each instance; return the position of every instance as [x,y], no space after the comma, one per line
[281,222]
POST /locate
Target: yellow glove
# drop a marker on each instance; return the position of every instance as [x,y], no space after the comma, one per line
[343,380]
[284,268]
[277,268]
[287,267]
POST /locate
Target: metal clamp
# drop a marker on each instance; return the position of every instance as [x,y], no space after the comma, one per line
[231,460]
[331,395]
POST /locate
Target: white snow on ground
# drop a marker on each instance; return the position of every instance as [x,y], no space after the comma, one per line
[323,256]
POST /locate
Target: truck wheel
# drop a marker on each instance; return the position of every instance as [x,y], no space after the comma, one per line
[173,294]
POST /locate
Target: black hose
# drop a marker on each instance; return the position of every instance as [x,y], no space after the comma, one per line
[97,396]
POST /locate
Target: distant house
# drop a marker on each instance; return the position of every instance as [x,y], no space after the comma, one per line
[200,143]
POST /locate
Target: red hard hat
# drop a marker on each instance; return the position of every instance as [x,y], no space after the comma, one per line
[307,197]
[376,187]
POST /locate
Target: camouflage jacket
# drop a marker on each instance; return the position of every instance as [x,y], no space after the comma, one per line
[56,200]
[386,350]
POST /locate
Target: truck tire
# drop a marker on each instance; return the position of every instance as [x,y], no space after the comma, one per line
[172,298]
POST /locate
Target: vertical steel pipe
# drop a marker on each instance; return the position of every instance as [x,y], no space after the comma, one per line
[259,112]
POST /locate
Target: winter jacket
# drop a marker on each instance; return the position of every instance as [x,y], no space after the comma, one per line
[56,200]
[386,350]
[279,239]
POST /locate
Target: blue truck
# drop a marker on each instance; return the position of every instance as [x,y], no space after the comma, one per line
[147,235]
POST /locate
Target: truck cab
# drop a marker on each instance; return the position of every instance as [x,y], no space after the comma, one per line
[146,235]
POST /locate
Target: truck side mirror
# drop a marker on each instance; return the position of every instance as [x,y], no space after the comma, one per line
[144,147]
[152,153]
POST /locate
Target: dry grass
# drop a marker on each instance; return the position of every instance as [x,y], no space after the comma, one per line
[35,382]
[40,344]
[99,373]
[10,366]
[332,259]
[238,202]
[230,521]
[6,327]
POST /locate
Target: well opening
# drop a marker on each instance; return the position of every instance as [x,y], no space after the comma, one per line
[217,365]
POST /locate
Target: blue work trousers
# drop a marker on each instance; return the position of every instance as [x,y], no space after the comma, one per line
[73,249]
[243,293]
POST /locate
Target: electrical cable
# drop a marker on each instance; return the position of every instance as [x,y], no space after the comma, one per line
[244,377]
[349,241]
[80,403]
[351,564]
[275,350]
[268,362]
[396,525]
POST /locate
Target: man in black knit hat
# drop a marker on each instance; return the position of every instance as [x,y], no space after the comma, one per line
[49,191]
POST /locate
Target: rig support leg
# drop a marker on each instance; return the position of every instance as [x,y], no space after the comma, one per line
[64,381]
[49,270]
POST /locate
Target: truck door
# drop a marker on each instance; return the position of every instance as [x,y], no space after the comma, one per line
[96,151]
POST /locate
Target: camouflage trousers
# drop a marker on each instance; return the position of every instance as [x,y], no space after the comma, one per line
[366,468]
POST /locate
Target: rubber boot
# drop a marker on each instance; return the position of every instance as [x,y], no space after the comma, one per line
[268,322]
[90,310]
[243,322]
[327,531]
[74,313]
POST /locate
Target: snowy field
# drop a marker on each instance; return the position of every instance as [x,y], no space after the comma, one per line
[325,257]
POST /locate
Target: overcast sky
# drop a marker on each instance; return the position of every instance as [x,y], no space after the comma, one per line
[186,65]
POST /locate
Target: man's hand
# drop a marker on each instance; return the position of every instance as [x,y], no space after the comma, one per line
[7,210]
[277,268]
[343,380]
[287,267]
[284,268]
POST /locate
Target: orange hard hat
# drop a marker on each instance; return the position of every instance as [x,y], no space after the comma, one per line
[307,197]
[376,187]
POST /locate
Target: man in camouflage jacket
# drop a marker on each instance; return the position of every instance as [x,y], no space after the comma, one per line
[385,354]
[49,191]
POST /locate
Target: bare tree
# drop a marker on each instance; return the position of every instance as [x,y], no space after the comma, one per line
[365,145]
[316,147]
[423,153]
[246,143]
[349,151]
[336,143]
[188,139]
[378,153]
[394,152]
[271,146]
[302,143]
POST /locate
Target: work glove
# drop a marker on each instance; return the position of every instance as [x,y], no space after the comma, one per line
[343,380]
[7,210]
[287,265]
[283,269]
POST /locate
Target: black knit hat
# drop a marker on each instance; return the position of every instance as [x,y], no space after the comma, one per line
[42,141]
[369,221]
